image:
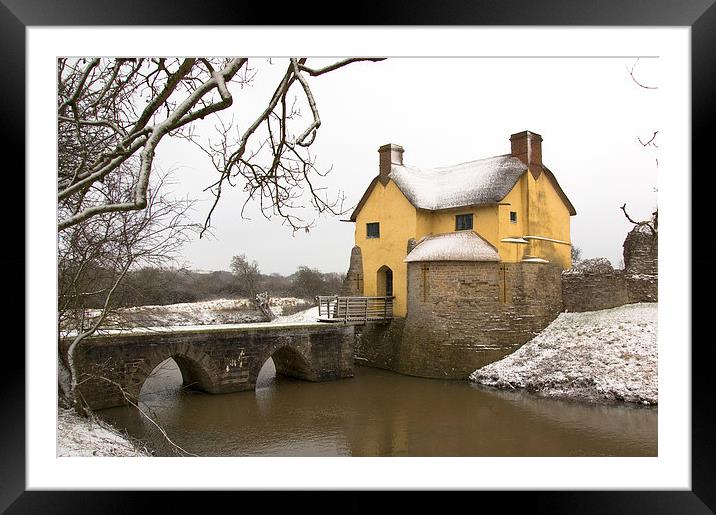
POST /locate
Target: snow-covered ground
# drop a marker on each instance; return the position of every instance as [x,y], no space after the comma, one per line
[77,436]
[609,354]
[307,315]
[212,312]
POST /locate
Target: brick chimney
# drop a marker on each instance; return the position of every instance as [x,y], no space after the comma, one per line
[389,154]
[527,147]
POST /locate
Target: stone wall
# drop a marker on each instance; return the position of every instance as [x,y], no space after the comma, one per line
[353,283]
[591,288]
[463,315]
[641,264]
[591,291]
[642,288]
[377,345]
[641,251]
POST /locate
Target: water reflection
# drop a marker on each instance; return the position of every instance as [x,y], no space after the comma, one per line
[379,413]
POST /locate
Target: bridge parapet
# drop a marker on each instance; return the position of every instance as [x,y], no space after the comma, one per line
[215,359]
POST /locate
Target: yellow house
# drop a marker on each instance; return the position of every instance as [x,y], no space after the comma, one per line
[508,208]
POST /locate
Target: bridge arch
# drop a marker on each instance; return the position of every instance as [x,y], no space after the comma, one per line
[197,369]
[289,360]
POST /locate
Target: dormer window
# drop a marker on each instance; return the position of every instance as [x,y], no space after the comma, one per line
[463,222]
[372,230]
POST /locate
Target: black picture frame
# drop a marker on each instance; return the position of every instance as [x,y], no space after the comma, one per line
[700,15]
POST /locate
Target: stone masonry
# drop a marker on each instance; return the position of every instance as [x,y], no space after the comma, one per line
[463,315]
[641,264]
[377,345]
[353,283]
[213,359]
[589,290]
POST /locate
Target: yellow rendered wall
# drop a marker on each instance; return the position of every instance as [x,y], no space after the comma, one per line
[484,221]
[515,200]
[397,217]
[548,217]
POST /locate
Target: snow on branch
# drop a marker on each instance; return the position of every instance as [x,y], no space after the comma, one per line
[111,110]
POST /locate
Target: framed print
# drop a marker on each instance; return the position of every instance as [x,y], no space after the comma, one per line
[403,270]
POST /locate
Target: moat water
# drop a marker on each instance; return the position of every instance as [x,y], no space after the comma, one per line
[380,413]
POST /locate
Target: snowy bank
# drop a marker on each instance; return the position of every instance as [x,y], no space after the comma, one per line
[308,315]
[609,354]
[210,312]
[77,436]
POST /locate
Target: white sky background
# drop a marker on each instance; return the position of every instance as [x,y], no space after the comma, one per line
[443,111]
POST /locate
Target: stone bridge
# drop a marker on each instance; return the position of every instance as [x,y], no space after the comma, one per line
[214,359]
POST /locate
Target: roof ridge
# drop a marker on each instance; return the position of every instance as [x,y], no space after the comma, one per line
[473,161]
[445,168]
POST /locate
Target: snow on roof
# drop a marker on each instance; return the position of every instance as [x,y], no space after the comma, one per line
[453,246]
[485,181]
[514,240]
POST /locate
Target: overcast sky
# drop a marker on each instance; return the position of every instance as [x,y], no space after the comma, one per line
[445,111]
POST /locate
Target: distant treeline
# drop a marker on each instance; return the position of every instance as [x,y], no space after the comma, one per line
[160,286]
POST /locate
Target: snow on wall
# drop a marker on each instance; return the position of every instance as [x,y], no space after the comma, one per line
[485,181]
[453,246]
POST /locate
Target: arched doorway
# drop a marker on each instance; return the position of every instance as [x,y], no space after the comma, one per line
[385,282]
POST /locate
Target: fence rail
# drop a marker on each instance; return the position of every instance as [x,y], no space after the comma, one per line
[354,309]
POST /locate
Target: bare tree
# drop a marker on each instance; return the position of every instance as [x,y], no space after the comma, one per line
[249,277]
[247,273]
[94,256]
[111,110]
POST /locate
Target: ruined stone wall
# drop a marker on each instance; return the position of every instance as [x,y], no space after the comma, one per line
[353,283]
[642,288]
[592,288]
[641,252]
[641,264]
[590,291]
[463,315]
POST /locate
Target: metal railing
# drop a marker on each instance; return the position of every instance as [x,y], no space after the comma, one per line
[354,309]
